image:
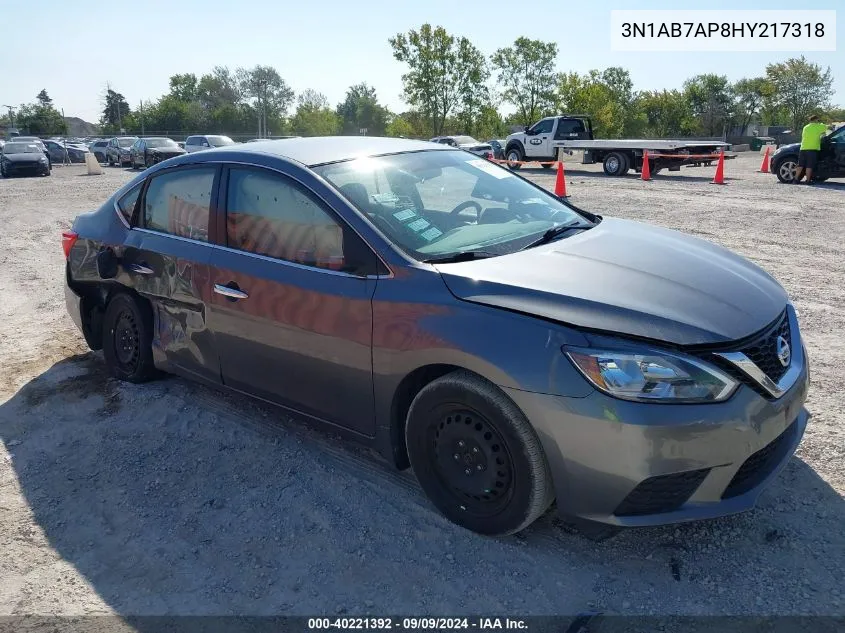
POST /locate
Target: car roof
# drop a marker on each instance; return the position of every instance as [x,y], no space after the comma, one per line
[318,150]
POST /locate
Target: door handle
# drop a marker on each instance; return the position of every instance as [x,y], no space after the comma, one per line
[141,269]
[231,293]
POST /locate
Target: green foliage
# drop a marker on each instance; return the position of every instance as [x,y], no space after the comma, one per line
[40,120]
[664,113]
[399,127]
[313,116]
[607,96]
[44,99]
[800,88]
[361,110]
[115,109]
[526,71]
[711,101]
[749,95]
[445,74]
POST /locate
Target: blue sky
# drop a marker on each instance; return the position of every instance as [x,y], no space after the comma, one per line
[326,45]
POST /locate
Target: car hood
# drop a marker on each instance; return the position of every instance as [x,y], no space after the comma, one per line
[167,150]
[792,147]
[628,278]
[24,158]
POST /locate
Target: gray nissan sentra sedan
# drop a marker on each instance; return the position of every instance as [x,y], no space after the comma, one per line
[513,350]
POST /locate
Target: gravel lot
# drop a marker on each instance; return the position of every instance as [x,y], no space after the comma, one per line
[170,498]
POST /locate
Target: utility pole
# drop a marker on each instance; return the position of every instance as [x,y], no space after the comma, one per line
[11,115]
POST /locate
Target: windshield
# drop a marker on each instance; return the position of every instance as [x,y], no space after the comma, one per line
[438,203]
[465,140]
[126,142]
[21,148]
[161,142]
[219,141]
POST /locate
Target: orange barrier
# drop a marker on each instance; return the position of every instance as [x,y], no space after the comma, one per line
[764,166]
[560,182]
[645,172]
[719,178]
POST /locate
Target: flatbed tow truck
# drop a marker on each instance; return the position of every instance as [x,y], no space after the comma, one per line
[544,142]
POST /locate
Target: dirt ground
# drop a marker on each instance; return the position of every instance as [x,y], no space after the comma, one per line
[170,498]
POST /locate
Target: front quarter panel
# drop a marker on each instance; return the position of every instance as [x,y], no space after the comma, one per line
[417,322]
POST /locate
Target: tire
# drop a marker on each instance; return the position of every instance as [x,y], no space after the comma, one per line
[547,165]
[786,169]
[460,429]
[127,339]
[514,154]
[616,164]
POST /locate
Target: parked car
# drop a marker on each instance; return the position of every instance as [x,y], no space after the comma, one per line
[510,347]
[38,142]
[498,146]
[99,148]
[23,158]
[118,150]
[59,152]
[467,143]
[784,162]
[147,152]
[208,141]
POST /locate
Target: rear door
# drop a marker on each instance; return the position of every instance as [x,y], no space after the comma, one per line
[291,310]
[166,257]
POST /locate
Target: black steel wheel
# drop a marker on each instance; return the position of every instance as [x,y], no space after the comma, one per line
[127,339]
[476,456]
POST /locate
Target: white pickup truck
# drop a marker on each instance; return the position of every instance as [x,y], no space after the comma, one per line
[545,140]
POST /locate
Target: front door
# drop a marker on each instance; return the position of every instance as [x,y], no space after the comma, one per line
[538,143]
[836,151]
[165,257]
[291,309]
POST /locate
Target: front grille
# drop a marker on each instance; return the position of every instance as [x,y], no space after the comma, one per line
[763,351]
[663,493]
[760,465]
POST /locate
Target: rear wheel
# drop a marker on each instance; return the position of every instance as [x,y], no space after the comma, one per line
[127,339]
[787,170]
[476,456]
[616,164]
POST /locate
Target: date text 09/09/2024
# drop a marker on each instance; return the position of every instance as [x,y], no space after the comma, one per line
[416,624]
[723,29]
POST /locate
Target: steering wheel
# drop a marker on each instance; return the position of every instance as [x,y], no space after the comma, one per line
[467,205]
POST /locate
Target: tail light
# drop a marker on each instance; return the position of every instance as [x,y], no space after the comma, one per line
[68,240]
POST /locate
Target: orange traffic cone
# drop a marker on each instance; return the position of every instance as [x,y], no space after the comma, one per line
[764,166]
[560,183]
[719,178]
[645,173]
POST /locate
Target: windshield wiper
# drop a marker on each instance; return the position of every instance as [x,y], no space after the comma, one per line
[553,232]
[463,256]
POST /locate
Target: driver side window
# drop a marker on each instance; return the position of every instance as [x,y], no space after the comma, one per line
[543,127]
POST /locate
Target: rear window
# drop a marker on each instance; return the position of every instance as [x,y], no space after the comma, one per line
[178,203]
[126,142]
[126,205]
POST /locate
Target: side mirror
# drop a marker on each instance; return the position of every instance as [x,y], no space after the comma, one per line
[524,128]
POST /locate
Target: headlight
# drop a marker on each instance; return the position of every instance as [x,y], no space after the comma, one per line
[651,375]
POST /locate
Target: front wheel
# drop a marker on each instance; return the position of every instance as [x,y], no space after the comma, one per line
[476,456]
[514,157]
[127,339]
[787,170]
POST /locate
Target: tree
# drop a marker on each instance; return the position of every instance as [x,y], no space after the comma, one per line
[313,117]
[399,127]
[438,67]
[219,89]
[474,93]
[40,120]
[527,72]
[800,88]
[361,110]
[272,96]
[44,99]
[711,102]
[607,96]
[184,87]
[665,113]
[115,108]
[749,95]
